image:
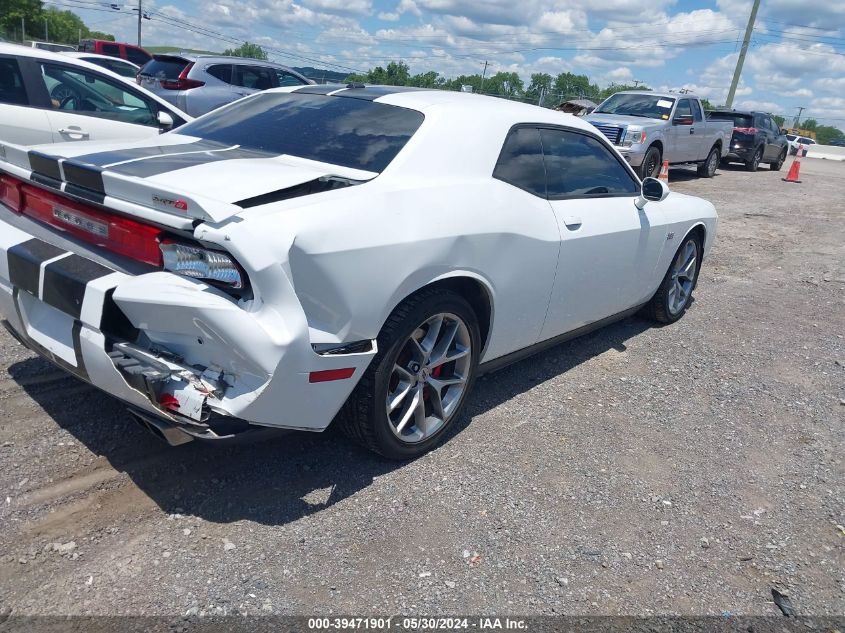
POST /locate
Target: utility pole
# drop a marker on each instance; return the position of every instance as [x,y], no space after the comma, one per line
[637,82]
[140,15]
[483,74]
[46,31]
[23,30]
[798,116]
[741,60]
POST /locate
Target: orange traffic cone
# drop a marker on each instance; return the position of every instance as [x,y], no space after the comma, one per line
[664,172]
[792,176]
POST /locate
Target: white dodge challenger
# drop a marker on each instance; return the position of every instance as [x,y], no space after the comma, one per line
[357,253]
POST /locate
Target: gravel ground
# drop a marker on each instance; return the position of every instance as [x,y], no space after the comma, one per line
[687,469]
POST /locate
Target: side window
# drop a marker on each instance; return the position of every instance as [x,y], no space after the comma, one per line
[580,165]
[696,111]
[83,92]
[11,83]
[521,161]
[223,72]
[254,77]
[287,79]
[683,109]
[122,69]
[137,56]
[111,49]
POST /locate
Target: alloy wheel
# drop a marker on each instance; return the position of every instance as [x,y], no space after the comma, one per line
[683,277]
[429,378]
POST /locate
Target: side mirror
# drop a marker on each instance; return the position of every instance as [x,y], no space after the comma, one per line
[165,120]
[682,120]
[653,190]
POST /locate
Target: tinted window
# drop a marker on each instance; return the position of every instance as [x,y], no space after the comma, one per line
[739,120]
[287,79]
[136,56]
[580,165]
[521,161]
[223,72]
[11,83]
[684,109]
[350,132]
[255,77]
[164,67]
[111,49]
[87,46]
[124,70]
[82,92]
[806,141]
[790,137]
[696,111]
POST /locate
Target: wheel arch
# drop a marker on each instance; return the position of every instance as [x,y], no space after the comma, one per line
[472,287]
[658,143]
[700,230]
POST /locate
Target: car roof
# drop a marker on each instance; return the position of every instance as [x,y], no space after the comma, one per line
[194,57]
[653,93]
[83,55]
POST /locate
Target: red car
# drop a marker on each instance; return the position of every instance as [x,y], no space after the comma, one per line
[134,54]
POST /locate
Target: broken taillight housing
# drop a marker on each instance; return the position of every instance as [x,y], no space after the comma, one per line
[10,192]
[202,263]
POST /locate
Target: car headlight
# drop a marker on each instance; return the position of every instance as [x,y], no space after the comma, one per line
[633,136]
[201,263]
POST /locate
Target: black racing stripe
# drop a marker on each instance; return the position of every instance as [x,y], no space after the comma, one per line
[322,89]
[65,281]
[101,159]
[85,194]
[86,176]
[165,164]
[25,261]
[46,181]
[45,165]
[371,93]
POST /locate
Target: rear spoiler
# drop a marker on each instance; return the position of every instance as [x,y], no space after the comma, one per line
[127,194]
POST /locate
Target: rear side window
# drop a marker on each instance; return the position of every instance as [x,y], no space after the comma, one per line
[696,111]
[86,46]
[255,77]
[124,70]
[111,49]
[353,133]
[11,83]
[164,67]
[521,161]
[223,72]
[136,55]
[578,165]
[287,79]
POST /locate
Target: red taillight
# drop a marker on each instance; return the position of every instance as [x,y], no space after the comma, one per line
[746,130]
[182,82]
[10,192]
[110,231]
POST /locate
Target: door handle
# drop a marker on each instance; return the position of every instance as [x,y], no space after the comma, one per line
[572,222]
[74,131]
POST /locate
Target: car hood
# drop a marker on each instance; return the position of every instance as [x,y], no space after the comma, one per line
[177,174]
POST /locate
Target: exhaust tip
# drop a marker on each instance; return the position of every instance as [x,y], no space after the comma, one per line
[161,429]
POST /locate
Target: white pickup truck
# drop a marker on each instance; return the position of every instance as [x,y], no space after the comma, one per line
[649,127]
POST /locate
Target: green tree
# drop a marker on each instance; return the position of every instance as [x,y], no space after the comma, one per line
[571,86]
[62,26]
[538,89]
[504,84]
[779,120]
[827,133]
[11,12]
[464,80]
[248,50]
[431,79]
[809,124]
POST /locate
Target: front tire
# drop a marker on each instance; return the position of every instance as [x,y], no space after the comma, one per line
[650,166]
[707,169]
[754,163]
[417,384]
[673,297]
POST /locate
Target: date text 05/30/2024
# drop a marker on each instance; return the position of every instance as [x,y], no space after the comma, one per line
[417,624]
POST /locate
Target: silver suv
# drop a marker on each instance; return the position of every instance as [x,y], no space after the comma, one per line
[198,84]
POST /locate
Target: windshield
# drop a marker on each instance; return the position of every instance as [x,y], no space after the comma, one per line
[350,132]
[650,106]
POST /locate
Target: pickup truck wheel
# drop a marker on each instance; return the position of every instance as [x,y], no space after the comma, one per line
[754,163]
[775,166]
[417,384]
[673,297]
[651,163]
[707,169]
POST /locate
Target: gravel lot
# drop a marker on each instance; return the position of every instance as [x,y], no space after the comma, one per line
[688,469]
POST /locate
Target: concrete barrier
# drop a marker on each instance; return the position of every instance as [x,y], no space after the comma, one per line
[830,152]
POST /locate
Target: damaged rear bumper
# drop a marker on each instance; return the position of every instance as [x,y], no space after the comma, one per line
[176,350]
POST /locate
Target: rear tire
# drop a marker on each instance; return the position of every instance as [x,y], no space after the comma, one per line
[675,293]
[707,169]
[650,166]
[399,408]
[754,163]
[776,166]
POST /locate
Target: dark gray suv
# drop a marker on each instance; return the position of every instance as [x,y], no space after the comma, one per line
[201,83]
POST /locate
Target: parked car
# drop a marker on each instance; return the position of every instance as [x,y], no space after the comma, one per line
[839,142]
[117,65]
[49,46]
[756,138]
[650,127]
[317,249]
[130,52]
[50,97]
[796,141]
[201,83]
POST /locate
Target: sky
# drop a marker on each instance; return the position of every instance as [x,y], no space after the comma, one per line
[796,58]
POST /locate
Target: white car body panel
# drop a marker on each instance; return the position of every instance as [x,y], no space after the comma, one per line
[329,268]
[24,126]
